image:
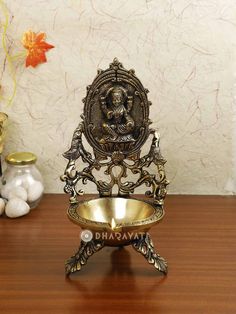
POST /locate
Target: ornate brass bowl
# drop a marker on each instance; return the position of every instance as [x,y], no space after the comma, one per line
[115,220]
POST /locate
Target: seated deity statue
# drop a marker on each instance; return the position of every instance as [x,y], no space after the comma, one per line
[118,125]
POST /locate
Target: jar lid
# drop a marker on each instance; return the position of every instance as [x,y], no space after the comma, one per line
[21,158]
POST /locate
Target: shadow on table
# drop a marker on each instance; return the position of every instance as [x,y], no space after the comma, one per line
[120,282]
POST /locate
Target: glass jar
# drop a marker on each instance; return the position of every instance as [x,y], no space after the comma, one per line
[22,178]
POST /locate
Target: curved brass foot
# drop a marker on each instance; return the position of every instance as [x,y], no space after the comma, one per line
[80,258]
[144,245]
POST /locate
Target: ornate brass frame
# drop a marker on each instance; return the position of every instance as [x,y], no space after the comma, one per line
[116,124]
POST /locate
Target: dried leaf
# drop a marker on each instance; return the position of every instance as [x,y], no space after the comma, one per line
[37,48]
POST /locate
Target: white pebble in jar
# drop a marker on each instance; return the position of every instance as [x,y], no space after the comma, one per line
[2,206]
[16,208]
[22,179]
[27,180]
[6,189]
[35,191]
[18,192]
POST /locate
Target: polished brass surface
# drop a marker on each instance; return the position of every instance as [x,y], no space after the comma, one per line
[121,210]
[21,158]
[116,124]
[156,183]
[116,112]
[116,92]
[128,217]
[80,258]
[144,246]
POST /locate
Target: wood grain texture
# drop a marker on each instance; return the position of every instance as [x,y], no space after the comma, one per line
[197,237]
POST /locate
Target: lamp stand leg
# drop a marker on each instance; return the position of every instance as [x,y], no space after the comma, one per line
[144,245]
[80,258]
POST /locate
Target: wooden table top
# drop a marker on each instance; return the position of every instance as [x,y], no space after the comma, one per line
[197,237]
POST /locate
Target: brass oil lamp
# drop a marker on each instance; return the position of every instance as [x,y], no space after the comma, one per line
[116,124]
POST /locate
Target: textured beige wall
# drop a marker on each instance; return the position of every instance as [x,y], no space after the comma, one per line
[183,51]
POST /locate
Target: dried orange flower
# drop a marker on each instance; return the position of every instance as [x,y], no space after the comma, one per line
[37,47]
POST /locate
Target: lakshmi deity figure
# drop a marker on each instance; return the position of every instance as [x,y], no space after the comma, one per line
[116,106]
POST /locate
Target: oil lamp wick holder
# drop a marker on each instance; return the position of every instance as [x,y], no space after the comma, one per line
[116,124]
